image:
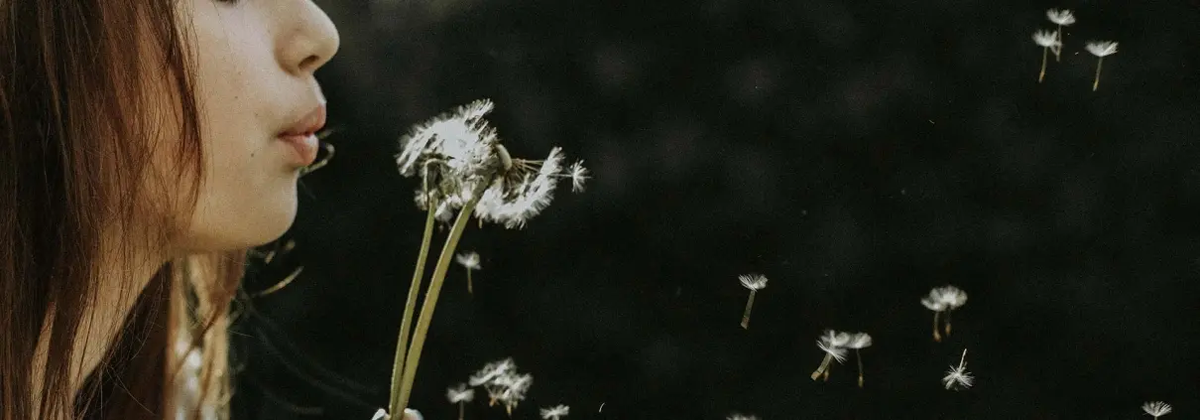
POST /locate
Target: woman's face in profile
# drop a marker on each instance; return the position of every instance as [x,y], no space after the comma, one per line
[255,88]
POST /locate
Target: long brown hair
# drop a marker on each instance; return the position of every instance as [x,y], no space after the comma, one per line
[80,96]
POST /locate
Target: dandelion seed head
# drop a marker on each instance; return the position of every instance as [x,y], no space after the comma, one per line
[452,153]
[1061,17]
[1047,39]
[859,341]
[753,281]
[522,193]
[460,393]
[1102,48]
[555,412]
[469,260]
[1156,408]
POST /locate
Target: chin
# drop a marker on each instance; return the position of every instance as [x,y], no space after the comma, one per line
[234,233]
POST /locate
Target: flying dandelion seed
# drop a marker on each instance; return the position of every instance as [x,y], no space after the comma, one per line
[1100,49]
[510,390]
[1061,18]
[578,175]
[460,395]
[934,303]
[470,261]
[833,343]
[859,341]
[556,412]
[1048,41]
[737,416]
[957,377]
[492,370]
[463,168]
[943,299]
[754,282]
[1156,408]
[954,298]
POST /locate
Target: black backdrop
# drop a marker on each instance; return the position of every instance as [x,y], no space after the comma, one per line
[857,153]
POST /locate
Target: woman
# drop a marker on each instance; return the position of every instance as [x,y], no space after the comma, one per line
[144,145]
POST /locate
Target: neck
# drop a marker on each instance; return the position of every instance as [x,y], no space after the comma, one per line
[116,291]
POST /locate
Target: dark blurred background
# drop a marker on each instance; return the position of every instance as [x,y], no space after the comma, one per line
[857,153]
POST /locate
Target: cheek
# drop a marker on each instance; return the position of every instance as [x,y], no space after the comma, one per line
[248,197]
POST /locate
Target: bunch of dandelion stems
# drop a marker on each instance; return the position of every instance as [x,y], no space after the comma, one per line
[404,366]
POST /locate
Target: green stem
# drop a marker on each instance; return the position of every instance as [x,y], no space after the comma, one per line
[1043,73]
[824,365]
[858,356]
[948,313]
[936,336]
[430,302]
[470,289]
[746,314]
[410,304]
[1058,52]
[1096,84]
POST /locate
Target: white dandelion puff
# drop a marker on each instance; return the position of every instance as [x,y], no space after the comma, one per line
[509,389]
[556,412]
[1049,42]
[859,341]
[578,175]
[453,154]
[470,261]
[522,192]
[460,395]
[754,282]
[1156,408]
[1100,49]
[491,371]
[1061,18]
[833,343]
[943,299]
[738,416]
[958,377]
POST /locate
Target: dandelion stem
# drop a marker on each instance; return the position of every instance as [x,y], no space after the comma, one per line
[431,298]
[1096,83]
[824,366]
[460,410]
[746,315]
[1058,51]
[858,356]
[470,288]
[936,336]
[1043,73]
[409,305]
[948,313]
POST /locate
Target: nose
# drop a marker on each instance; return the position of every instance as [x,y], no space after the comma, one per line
[310,41]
